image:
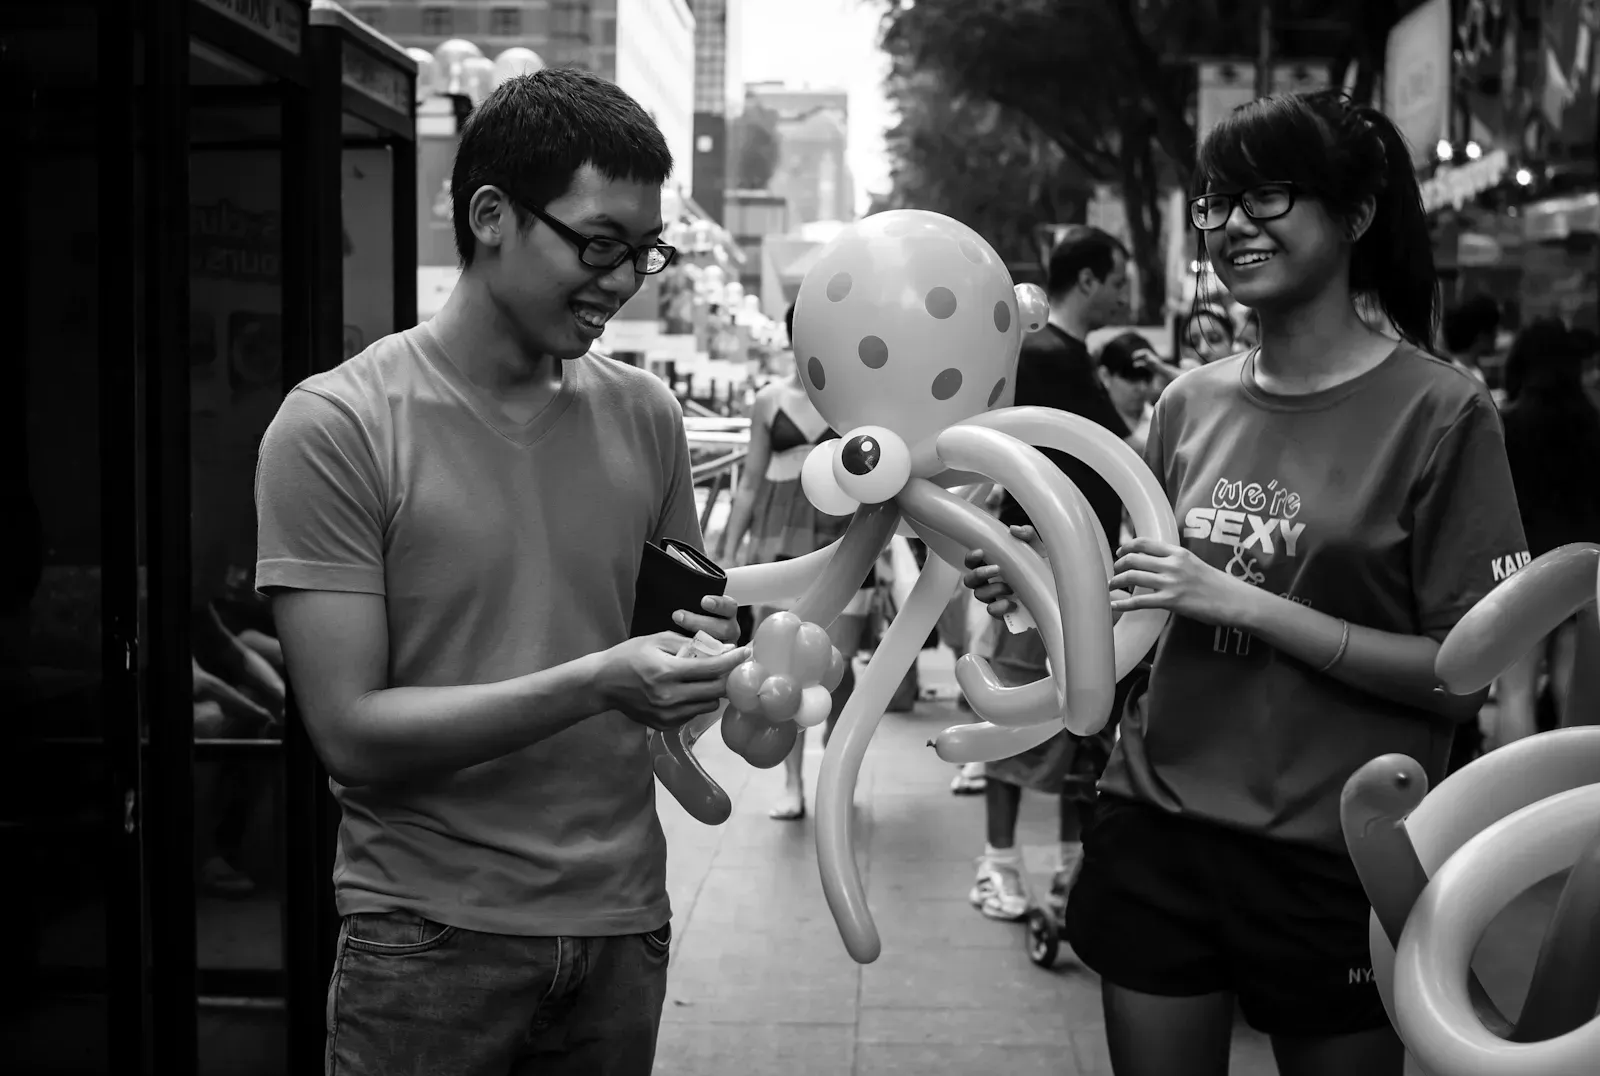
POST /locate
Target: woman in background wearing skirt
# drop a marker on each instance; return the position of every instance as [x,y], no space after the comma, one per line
[771,510]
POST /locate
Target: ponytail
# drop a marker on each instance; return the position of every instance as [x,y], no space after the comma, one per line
[1393,259]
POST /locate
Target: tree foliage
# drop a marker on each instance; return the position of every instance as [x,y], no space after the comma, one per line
[754,147]
[975,161]
[1110,83]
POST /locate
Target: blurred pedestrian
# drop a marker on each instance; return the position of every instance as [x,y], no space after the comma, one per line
[1553,443]
[1207,334]
[1134,376]
[771,510]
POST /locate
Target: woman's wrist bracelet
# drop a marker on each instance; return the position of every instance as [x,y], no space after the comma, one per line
[1344,641]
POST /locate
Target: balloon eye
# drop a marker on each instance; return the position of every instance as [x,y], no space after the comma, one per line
[821,487]
[861,454]
[873,464]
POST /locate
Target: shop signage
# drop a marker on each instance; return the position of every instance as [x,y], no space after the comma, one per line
[1456,186]
[370,76]
[229,242]
[1416,78]
[279,21]
[1558,218]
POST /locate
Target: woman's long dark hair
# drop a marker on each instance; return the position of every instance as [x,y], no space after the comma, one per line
[1341,154]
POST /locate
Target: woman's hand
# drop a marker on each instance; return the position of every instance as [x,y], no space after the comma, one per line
[984,578]
[1174,579]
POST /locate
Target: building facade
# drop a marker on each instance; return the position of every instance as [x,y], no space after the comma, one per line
[646,46]
[813,171]
[718,98]
[576,32]
[654,57]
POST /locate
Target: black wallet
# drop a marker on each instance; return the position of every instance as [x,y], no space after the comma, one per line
[672,575]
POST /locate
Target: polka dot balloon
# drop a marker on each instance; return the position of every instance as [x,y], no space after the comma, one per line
[909,321]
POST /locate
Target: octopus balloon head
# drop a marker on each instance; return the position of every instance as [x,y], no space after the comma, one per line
[908,323]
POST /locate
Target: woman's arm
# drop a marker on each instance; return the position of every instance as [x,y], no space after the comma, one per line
[751,473]
[1389,665]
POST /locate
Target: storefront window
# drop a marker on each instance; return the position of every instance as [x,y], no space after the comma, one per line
[235,365]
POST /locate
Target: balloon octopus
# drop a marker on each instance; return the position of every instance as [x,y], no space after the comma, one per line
[906,335]
[1438,868]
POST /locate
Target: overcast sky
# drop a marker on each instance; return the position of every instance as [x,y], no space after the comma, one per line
[825,44]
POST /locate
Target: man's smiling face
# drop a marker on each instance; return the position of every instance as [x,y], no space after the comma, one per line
[558,304]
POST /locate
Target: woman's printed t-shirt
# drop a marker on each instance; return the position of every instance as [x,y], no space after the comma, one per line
[1386,501]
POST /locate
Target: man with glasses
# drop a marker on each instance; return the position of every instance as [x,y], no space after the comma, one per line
[451,525]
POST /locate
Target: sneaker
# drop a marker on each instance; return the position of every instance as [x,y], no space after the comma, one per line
[999,891]
[969,780]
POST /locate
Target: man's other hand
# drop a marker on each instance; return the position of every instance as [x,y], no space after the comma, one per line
[645,679]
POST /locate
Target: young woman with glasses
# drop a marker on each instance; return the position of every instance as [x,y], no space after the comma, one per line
[1343,498]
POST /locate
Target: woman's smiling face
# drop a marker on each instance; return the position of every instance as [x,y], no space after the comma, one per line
[1279,262]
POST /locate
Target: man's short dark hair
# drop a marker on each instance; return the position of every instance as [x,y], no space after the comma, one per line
[1082,247]
[1468,320]
[532,134]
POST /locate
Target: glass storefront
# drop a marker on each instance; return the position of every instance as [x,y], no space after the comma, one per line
[165,816]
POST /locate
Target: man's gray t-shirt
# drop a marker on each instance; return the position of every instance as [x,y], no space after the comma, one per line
[500,550]
[1386,501]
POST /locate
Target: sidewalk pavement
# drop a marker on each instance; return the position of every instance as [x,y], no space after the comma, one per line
[761,985]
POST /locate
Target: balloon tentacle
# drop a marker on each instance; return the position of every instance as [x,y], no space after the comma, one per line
[932,508]
[1565,990]
[1126,473]
[870,530]
[1433,1010]
[681,773]
[1086,662]
[1499,629]
[785,580]
[847,748]
[984,741]
[1372,811]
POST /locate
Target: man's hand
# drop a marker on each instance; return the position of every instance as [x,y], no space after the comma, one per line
[1175,579]
[984,578]
[720,619]
[645,679]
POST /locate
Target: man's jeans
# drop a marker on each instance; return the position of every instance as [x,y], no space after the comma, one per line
[409,995]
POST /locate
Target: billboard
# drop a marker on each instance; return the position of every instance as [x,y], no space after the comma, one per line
[1416,78]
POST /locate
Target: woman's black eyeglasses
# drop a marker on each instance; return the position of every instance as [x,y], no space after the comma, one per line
[604,252]
[1265,201]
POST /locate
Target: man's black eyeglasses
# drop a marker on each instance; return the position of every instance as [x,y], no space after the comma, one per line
[1265,201]
[605,252]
